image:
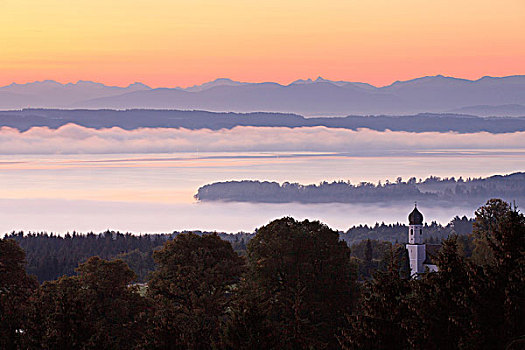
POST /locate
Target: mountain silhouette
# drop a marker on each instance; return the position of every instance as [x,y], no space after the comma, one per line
[309,97]
[51,94]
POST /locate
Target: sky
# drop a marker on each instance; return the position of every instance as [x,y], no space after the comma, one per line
[182,43]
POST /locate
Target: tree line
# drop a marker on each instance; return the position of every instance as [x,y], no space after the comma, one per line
[397,233]
[131,119]
[50,256]
[429,190]
[296,288]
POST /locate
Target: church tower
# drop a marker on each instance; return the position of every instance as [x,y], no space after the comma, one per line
[416,248]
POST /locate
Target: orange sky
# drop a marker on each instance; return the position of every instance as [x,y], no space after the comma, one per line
[181,43]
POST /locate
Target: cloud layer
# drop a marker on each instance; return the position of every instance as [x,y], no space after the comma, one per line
[75,139]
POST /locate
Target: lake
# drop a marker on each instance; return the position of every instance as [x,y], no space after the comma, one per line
[149,193]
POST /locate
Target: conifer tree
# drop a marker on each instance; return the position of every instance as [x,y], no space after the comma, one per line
[499,282]
[440,303]
[378,320]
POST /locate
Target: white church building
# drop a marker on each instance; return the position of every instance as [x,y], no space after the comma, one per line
[420,254]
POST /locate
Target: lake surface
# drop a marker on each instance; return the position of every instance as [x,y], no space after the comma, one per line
[149,193]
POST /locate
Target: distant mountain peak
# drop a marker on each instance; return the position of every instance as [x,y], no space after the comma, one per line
[320,79]
[37,83]
[224,80]
[214,83]
[301,81]
[89,83]
[86,83]
[137,85]
[507,78]
[46,81]
[426,79]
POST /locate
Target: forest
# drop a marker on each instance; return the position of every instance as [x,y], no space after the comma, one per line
[431,190]
[297,285]
[50,256]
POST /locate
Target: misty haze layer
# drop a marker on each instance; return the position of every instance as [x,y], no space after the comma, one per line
[61,216]
[73,139]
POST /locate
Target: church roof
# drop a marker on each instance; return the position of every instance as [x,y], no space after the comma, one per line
[415,217]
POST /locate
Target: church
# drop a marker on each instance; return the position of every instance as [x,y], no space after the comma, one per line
[420,254]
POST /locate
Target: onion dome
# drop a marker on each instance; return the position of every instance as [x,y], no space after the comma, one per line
[415,217]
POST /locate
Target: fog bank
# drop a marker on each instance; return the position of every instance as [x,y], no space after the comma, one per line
[75,139]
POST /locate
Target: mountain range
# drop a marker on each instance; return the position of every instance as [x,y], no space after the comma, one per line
[488,96]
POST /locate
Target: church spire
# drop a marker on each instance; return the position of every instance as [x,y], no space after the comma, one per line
[416,248]
[415,217]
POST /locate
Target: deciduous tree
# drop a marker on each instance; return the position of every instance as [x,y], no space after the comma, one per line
[95,309]
[191,289]
[15,288]
[302,273]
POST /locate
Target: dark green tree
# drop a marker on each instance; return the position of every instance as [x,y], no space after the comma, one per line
[95,309]
[302,275]
[440,303]
[368,251]
[247,326]
[378,320]
[140,262]
[15,289]
[499,281]
[50,256]
[191,290]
